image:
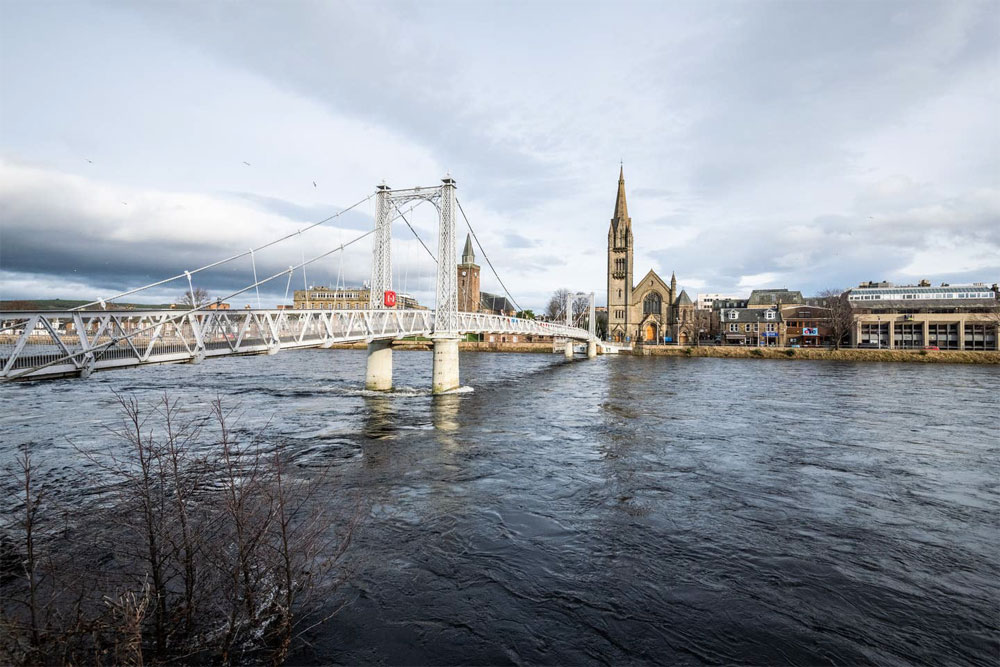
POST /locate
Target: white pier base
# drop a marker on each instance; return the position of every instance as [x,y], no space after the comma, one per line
[445,365]
[378,376]
[568,350]
[591,349]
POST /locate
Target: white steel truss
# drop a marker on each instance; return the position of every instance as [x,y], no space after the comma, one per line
[446,302]
[381,247]
[39,345]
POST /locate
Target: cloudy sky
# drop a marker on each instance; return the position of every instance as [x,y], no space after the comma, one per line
[765,144]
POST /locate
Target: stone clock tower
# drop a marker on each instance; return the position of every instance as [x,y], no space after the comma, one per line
[468,280]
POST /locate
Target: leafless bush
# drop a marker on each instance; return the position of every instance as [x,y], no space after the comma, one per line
[205,547]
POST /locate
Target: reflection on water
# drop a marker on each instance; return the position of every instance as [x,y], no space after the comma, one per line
[620,510]
[445,411]
[379,416]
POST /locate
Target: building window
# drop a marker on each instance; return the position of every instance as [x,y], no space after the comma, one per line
[769,315]
[980,337]
[733,314]
[735,328]
[944,335]
[908,335]
[746,327]
[652,304]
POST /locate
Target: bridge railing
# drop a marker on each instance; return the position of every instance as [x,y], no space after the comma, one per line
[40,344]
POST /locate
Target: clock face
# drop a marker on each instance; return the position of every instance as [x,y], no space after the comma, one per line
[463,273]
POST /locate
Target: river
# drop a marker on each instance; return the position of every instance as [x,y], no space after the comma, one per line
[619,510]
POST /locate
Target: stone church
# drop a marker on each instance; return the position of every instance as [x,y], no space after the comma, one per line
[650,311]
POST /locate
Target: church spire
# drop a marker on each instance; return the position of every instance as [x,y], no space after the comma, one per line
[468,257]
[621,208]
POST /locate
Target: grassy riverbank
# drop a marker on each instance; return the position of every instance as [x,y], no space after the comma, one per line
[919,356]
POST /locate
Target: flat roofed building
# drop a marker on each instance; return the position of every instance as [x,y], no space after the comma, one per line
[948,317]
[706,301]
[922,294]
[806,325]
[344,298]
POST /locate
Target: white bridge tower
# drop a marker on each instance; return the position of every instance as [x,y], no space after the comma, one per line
[378,375]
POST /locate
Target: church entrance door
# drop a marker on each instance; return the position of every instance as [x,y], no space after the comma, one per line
[651,333]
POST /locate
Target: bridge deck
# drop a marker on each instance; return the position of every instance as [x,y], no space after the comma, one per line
[36,345]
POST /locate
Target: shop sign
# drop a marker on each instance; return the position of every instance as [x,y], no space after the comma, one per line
[810,331]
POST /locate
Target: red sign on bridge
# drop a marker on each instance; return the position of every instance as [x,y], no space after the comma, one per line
[389,299]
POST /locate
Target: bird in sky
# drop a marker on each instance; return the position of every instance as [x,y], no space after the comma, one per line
[90,161]
[125,202]
[246,163]
[314,183]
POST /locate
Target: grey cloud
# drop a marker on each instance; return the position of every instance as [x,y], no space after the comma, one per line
[515,240]
[308,214]
[843,251]
[408,80]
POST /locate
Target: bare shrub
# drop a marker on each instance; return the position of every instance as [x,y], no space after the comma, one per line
[203,547]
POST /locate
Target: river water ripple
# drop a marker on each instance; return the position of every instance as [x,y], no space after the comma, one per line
[620,510]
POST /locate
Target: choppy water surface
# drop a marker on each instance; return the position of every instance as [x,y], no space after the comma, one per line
[623,510]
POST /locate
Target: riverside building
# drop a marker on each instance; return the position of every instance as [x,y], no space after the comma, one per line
[344,298]
[752,326]
[650,311]
[949,317]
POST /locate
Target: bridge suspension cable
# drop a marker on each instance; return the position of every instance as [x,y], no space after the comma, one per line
[414,231]
[102,302]
[480,245]
[98,350]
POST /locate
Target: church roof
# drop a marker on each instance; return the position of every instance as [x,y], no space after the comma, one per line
[621,207]
[643,285]
[495,303]
[684,299]
[468,256]
[770,297]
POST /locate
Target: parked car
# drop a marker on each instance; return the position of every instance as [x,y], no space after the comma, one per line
[931,347]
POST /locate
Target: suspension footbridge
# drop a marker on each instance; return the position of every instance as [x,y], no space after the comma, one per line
[98,336]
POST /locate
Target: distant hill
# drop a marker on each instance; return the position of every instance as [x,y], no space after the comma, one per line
[66,304]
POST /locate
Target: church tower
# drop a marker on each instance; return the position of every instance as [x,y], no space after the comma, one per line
[468,280]
[619,266]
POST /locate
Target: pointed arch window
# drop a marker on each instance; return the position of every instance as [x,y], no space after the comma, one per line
[652,304]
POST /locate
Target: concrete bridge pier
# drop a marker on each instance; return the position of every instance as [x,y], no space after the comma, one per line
[445,364]
[591,348]
[378,375]
[568,350]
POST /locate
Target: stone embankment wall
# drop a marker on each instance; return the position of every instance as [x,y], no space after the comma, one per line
[463,346]
[727,352]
